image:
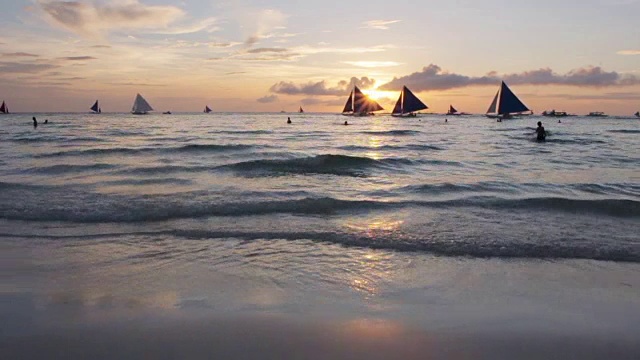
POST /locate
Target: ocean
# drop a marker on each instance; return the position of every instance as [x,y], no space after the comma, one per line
[399,237]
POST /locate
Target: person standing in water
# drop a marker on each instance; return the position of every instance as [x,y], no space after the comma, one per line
[541,133]
[35,122]
[288,120]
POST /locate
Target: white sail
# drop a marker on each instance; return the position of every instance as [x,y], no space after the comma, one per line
[141,106]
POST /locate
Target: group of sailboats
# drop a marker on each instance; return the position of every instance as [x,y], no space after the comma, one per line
[4,109]
[140,107]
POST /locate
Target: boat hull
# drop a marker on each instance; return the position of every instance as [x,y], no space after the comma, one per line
[410,115]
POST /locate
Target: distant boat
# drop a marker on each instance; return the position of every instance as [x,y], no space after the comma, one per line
[453,112]
[359,104]
[206,109]
[597,114]
[282,111]
[96,108]
[140,106]
[636,114]
[407,104]
[301,111]
[4,109]
[554,113]
[506,104]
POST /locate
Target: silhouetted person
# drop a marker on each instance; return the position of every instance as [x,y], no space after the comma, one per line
[46,121]
[346,123]
[559,121]
[35,122]
[445,120]
[288,120]
[541,133]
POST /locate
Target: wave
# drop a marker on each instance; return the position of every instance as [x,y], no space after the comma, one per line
[625,131]
[56,139]
[242,132]
[451,244]
[321,164]
[191,148]
[414,147]
[63,205]
[393,132]
[70,168]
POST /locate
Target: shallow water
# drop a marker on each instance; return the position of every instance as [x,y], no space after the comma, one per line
[469,224]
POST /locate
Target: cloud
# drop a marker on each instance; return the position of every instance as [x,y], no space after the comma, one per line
[101,47]
[266,50]
[628,52]
[19,54]
[78,58]
[267,99]
[208,25]
[372,64]
[378,24]
[24,68]
[265,21]
[433,78]
[320,87]
[91,19]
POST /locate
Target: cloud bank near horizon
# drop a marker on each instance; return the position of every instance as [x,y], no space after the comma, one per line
[320,88]
[432,77]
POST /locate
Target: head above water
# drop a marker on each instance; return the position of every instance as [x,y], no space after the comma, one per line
[539,123]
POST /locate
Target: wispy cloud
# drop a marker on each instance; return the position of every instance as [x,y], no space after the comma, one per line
[24,68]
[372,64]
[267,99]
[378,24]
[78,58]
[267,50]
[433,78]
[265,21]
[92,19]
[628,52]
[320,87]
[19,54]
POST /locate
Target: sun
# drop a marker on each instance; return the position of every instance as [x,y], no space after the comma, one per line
[377,94]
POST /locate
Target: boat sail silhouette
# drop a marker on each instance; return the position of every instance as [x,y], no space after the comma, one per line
[359,104]
[636,114]
[96,108]
[301,111]
[140,106]
[453,112]
[4,109]
[506,104]
[407,104]
[207,109]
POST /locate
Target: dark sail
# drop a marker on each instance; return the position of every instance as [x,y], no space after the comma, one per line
[95,107]
[398,108]
[509,102]
[206,109]
[300,111]
[452,110]
[348,107]
[4,109]
[410,102]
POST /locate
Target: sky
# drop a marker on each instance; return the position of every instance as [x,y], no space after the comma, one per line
[249,55]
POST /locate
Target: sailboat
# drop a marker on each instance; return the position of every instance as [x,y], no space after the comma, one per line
[407,104]
[506,104]
[301,111]
[453,112]
[206,109]
[96,108]
[140,106]
[359,104]
[636,114]
[4,109]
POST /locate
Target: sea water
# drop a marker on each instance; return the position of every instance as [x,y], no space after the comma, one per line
[468,226]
